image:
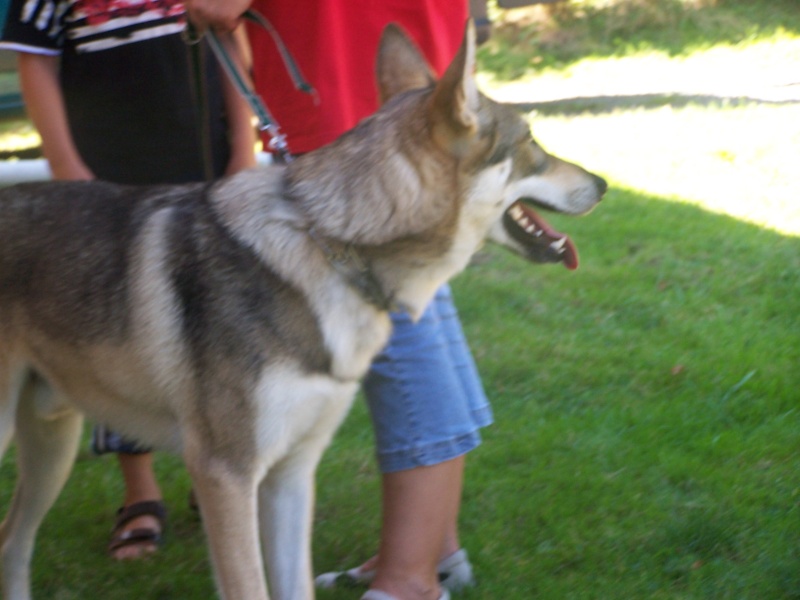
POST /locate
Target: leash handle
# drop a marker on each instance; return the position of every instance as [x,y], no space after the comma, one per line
[266,122]
[299,80]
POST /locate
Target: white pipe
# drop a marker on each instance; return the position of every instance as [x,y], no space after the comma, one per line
[19,171]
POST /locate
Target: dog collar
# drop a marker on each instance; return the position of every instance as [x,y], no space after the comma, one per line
[349,264]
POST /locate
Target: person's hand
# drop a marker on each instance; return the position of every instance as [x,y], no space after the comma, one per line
[74,170]
[241,160]
[222,15]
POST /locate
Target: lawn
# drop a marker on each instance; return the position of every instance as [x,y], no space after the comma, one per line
[647,435]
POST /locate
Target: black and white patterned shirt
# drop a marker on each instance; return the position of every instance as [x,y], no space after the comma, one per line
[53,26]
[124,74]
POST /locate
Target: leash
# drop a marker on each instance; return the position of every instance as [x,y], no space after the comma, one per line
[197,74]
[266,122]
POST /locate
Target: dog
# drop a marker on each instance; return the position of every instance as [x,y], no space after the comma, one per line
[232,322]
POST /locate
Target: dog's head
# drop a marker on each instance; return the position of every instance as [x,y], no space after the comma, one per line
[503,168]
[418,186]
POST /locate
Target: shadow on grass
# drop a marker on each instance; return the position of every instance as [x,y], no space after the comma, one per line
[645,441]
[22,153]
[671,303]
[607,104]
[633,455]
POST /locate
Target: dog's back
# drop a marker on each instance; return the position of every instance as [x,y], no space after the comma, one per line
[66,241]
[152,275]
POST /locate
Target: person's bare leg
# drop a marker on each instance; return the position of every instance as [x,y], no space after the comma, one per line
[451,542]
[420,510]
[451,545]
[140,485]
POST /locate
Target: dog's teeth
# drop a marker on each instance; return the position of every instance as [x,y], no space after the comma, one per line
[516,213]
[530,228]
[558,245]
[538,233]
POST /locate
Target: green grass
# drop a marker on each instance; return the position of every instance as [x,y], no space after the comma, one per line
[18,138]
[647,435]
[726,159]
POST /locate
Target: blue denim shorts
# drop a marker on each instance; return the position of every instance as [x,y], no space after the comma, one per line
[424,393]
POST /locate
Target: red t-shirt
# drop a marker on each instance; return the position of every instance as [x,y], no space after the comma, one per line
[335,43]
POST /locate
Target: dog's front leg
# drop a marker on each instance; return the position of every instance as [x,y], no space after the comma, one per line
[227,499]
[286,502]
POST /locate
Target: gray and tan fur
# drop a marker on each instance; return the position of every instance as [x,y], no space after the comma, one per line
[232,323]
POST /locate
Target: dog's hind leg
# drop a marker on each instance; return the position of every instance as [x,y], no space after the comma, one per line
[9,393]
[47,435]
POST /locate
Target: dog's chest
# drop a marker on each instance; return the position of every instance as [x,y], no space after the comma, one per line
[295,408]
[354,333]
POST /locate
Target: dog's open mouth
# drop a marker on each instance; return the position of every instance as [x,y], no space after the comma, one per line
[542,243]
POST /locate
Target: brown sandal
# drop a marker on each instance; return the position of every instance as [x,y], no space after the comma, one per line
[142,535]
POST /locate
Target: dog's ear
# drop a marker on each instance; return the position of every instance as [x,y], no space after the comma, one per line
[456,100]
[401,66]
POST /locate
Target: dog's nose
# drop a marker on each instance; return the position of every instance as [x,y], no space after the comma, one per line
[600,183]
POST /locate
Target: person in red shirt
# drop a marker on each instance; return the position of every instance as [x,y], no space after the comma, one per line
[335,44]
[423,391]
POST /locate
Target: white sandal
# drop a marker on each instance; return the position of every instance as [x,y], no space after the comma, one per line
[455,573]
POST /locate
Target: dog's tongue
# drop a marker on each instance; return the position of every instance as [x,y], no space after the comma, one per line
[543,243]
